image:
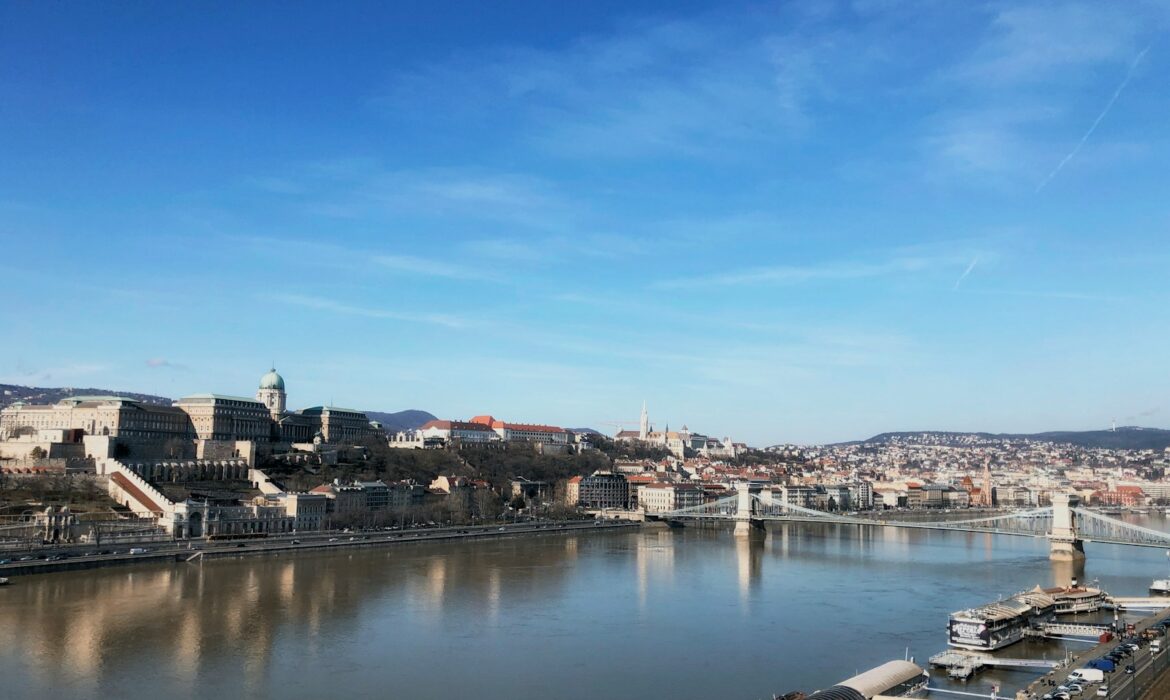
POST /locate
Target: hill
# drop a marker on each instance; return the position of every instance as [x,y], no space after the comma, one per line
[11,393]
[1123,438]
[401,420]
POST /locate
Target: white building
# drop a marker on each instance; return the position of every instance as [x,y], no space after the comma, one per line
[662,497]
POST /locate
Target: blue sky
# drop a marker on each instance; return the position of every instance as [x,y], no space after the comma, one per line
[782,222]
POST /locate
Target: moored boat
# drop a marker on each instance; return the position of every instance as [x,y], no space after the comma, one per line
[1074,598]
[996,625]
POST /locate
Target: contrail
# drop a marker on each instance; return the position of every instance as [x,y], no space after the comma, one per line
[1116,93]
[967,272]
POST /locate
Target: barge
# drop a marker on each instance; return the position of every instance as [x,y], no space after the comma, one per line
[1074,599]
[996,625]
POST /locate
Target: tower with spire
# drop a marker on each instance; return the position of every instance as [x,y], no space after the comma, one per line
[985,493]
[644,424]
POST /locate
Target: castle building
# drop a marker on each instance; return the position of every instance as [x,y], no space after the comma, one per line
[200,425]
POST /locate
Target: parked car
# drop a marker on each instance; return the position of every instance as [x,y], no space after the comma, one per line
[1103,691]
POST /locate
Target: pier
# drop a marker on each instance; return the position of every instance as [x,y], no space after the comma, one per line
[1157,603]
[963,664]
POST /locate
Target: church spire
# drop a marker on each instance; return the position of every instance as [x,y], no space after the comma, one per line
[644,424]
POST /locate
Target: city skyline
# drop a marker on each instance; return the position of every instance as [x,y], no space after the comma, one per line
[802,224]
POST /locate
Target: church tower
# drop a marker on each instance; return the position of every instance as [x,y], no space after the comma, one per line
[271,393]
[644,424]
[985,493]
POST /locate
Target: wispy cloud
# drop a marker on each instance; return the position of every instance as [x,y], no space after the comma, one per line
[342,257]
[997,127]
[431,267]
[1035,43]
[796,274]
[1096,122]
[970,268]
[680,88]
[329,305]
[1042,294]
[61,373]
[1146,413]
[160,363]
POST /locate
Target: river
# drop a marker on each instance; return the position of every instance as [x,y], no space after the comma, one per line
[682,614]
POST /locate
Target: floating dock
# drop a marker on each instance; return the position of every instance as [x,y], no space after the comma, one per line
[1155,603]
[961,664]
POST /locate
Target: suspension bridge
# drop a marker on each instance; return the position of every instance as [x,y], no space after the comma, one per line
[1065,523]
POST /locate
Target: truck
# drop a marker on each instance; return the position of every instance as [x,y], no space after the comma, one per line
[1087,675]
[1155,646]
[1103,664]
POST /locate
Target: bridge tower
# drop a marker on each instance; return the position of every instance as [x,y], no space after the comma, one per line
[1066,543]
[745,524]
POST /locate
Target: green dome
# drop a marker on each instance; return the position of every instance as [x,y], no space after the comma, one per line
[272,380]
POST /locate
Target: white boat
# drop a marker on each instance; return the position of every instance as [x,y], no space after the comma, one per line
[999,624]
[1160,587]
[3,581]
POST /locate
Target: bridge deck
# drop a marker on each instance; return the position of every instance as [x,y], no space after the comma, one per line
[1060,523]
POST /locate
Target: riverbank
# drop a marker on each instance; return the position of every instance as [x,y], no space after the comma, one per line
[194,551]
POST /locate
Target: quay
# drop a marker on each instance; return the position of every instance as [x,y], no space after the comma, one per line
[1150,670]
[174,552]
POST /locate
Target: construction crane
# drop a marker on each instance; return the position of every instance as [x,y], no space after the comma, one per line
[620,425]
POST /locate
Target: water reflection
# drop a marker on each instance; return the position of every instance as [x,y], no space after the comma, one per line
[653,564]
[1064,572]
[749,555]
[227,615]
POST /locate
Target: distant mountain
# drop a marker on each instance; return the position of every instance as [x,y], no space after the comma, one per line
[585,431]
[1123,438]
[11,393]
[402,420]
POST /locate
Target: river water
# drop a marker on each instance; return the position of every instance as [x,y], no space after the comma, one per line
[682,614]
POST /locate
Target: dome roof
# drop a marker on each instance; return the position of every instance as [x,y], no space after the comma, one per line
[272,380]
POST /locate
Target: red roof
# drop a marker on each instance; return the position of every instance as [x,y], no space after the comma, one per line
[529,427]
